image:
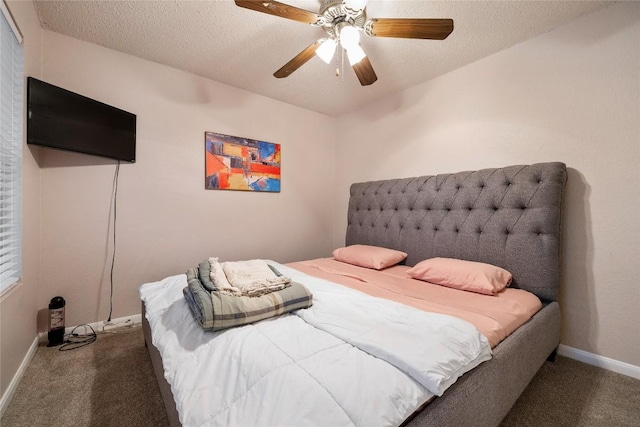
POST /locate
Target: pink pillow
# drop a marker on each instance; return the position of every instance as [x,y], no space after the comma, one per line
[465,275]
[369,256]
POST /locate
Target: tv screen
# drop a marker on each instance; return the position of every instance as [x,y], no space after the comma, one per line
[58,118]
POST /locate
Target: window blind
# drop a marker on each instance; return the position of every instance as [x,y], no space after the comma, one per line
[11,123]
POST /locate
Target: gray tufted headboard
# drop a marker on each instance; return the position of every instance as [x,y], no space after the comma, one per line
[509,217]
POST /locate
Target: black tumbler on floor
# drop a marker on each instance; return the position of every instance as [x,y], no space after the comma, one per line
[56,321]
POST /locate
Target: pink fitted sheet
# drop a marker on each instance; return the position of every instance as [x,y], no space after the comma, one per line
[495,316]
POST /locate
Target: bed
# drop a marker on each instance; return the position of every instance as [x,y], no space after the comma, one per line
[508,217]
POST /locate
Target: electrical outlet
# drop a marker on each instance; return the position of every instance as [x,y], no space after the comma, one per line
[110,325]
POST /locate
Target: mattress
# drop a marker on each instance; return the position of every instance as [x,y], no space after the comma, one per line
[361,350]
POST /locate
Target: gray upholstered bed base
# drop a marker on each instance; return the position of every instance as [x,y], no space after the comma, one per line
[510,217]
[158,370]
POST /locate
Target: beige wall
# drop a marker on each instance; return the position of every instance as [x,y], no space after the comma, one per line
[166,220]
[571,95]
[18,306]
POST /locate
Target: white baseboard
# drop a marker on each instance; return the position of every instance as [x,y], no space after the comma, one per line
[600,361]
[101,326]
[8,394]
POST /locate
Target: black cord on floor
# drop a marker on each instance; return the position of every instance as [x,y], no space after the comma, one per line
[115,216]
[74,340]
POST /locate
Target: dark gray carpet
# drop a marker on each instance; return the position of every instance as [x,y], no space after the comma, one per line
[111,383]
[571,393]
[107,383]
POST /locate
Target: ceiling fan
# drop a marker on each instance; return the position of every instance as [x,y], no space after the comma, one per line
[343,20]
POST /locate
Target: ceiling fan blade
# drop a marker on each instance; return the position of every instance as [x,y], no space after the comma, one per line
[409,28]
[298,61]
[365,72]
[280,9]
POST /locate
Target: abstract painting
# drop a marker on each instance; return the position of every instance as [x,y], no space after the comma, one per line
[233,163]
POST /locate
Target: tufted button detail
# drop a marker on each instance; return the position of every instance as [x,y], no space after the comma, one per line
[457,230]
[435,228]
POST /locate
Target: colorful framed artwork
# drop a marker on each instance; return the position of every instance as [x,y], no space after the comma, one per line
[234,163]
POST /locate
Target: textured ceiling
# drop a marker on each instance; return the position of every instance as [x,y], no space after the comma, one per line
[242,48]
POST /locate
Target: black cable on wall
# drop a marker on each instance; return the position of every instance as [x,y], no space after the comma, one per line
[113,256]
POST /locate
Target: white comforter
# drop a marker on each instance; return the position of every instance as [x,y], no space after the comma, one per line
[350,359]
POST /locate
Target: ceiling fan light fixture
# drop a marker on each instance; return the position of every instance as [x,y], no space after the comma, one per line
[355,54]
[326,50]
[355,4]
[349,37]
[343,20]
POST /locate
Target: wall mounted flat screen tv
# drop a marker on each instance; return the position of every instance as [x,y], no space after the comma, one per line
[58,118]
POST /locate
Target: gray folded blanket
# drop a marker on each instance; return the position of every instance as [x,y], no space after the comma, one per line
[204,275]
[215,311]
